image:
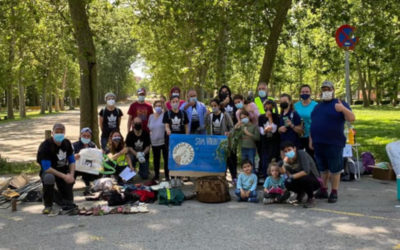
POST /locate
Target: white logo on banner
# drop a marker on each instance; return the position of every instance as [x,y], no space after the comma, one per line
[183,153]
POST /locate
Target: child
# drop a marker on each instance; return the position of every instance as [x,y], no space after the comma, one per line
[274,186]
[250,134]
[119,153]
[247,183]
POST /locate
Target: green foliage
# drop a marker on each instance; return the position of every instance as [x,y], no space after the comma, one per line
[7,167]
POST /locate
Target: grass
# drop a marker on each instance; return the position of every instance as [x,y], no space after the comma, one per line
[375,127]
[7,167]
[29,115]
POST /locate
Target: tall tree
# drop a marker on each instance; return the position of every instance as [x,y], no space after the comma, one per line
[87,63]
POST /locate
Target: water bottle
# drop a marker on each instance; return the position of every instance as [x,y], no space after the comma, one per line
[351,136]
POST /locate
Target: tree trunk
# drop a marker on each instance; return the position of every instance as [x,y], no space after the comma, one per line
[21,98]
[50,104]
[272,46]
[57,102]
[369,81]
[64,86]
[361,82]
[9,91]
[87,64]
[378,91]
[220,74]
[43,99]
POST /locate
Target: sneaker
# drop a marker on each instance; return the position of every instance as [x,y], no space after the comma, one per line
[284,197]
[332,198]
[300,197]
[46,210]
[267,201]
[321,194]
[310,203]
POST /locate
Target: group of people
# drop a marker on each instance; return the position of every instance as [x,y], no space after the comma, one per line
[292,142]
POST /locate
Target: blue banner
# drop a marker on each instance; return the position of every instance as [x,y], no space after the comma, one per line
[197,155]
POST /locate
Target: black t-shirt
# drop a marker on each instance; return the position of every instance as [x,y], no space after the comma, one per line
[262,122]
[176,121]
[57,155]
[138,143]
[195,122]
[216,123]
[78,146]
[110,120]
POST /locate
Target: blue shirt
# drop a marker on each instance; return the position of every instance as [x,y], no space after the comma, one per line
[272,183]
[327,125]
[247,182]
[290,134]
[202,112]
[305,114]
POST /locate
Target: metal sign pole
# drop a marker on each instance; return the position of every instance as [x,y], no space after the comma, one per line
[347,68]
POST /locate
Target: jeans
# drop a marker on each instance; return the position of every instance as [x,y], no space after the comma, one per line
[249,154]
[143,167]
[252,196]
[156,160]
[104,141]
[64,195]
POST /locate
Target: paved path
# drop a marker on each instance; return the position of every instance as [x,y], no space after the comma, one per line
[19,140]
[365,217]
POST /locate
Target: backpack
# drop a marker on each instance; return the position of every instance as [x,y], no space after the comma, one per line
[173,196]
[368,160]
[212,189]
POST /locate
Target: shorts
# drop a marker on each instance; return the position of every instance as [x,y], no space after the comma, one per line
[329,157]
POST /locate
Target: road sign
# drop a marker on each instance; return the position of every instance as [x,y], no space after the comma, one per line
[345,37]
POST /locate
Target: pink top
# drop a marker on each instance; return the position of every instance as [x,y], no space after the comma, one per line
[253,111]
[169,107]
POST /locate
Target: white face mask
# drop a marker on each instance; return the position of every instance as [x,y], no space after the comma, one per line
[111,102]
[327,95]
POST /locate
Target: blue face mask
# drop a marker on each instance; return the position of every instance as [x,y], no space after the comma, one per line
[141,98]
[85,140]
[239,105]
[262,93]
[193,99]
[245,120]
[158,110]
[304,96]
[291,154]
[58,137]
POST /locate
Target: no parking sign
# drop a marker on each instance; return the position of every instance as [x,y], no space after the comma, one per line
[345,37]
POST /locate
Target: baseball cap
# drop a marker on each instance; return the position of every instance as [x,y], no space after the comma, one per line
[58,126]
[108,95]
[84,130]
[141,91]
[327,84]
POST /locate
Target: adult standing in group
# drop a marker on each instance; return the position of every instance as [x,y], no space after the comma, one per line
[290,127]
[262,89]
[109,119]
[196,112]
[226,102]
[304,107]
[228,106]
[175,91]
[141,109]
[85,141]
[138,144]
[157,137]
[57,162]
[175,120]
[328,140]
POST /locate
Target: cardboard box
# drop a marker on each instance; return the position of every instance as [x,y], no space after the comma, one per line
[383,174]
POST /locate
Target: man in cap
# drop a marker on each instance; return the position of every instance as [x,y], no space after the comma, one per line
[56,158]
[109,119]
[328,140]
[85,141]
[140,109]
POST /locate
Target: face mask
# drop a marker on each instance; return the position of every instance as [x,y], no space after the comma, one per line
[58,137]
[224,95]
[245,120]
[290,154]
[215,109]
[85,140]
[175,94]
[304,96]
[141,98]
[193,99]
[116,139]
[327,95]
[138,126]
[175,105]
[111,102]
[262,93]
[158,110]
[284,105]
[239,105]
